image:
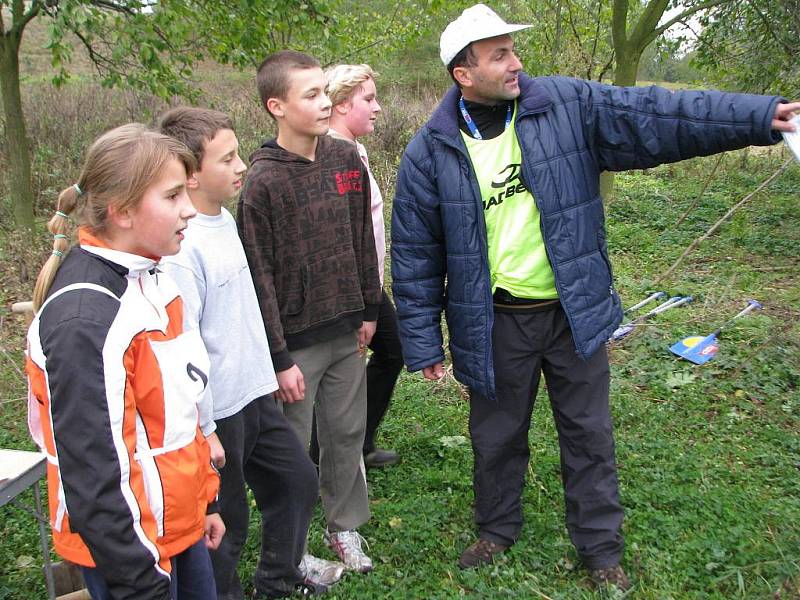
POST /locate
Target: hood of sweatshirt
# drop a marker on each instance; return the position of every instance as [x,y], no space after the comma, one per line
[270,150]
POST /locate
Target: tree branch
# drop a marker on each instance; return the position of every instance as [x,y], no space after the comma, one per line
[711,174]
[722,219]
[377,41]
[556,45]
[576,34]
[100,61]
[607,67]
[787,47]
[19,25]
[574,29]
[113,6]
[688,25]
[642,33]
[686,14]
[619,23]
[596,37]
[17,9]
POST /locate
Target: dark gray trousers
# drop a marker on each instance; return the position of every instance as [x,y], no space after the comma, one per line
[526,344]
[262,449]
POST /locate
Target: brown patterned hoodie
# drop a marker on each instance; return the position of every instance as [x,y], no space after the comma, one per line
[306,228]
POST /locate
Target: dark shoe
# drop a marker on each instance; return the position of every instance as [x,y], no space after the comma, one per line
[480,553]
[381,458]
[610,576]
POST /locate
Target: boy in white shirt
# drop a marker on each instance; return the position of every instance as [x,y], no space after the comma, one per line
[251,440]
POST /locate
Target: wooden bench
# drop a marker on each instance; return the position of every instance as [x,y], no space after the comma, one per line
[25,309]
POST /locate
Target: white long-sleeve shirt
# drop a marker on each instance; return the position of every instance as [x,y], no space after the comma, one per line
[219,299]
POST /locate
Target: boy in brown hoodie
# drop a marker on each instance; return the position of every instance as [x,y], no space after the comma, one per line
[305,222]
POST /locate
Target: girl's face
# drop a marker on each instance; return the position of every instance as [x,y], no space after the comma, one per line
[363,109]
[158,220]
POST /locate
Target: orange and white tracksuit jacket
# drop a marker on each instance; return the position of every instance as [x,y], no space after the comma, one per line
[114,385]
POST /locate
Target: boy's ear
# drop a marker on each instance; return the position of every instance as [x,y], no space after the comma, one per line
[342,108]
[462,76]
[275,106]
[191,181]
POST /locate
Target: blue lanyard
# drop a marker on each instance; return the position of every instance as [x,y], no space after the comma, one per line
[473,129]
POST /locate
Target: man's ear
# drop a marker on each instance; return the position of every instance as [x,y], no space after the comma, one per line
[120,218]
[275,106]
[191,182]
[462,76]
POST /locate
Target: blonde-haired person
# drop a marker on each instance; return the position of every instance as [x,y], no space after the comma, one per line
[115,382]
[352,91]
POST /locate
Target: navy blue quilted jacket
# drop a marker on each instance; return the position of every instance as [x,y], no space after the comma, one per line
[569,130]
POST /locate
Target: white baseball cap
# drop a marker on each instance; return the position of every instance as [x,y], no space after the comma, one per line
[477,22]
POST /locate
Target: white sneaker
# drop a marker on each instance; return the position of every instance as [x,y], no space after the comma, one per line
[347,544]
[319,571]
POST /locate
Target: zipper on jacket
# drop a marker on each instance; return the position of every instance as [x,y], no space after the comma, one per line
[161,317]
[489,306]
[531,188]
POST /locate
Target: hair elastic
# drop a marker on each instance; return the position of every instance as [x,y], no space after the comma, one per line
[58,253]
[78,189]
[62,214]
[59,236]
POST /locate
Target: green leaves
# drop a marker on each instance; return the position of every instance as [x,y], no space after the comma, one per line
[453,441]
[129,43]
[679,379]
[753,45]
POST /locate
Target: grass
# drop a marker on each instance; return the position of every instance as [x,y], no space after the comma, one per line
[708,457]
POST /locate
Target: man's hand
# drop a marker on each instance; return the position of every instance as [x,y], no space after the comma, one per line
[291,385]
[365,333]
[214,531]
[434,372]
[217,451]
[783,113]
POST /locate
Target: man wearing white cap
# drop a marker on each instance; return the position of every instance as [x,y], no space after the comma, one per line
[498,221]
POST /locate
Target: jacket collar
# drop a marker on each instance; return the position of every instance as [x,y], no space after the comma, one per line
[133,263]
[533,98]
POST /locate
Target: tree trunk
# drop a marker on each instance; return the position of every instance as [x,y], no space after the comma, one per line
[607,186]
[19,158]
[627,66]
[624,74]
